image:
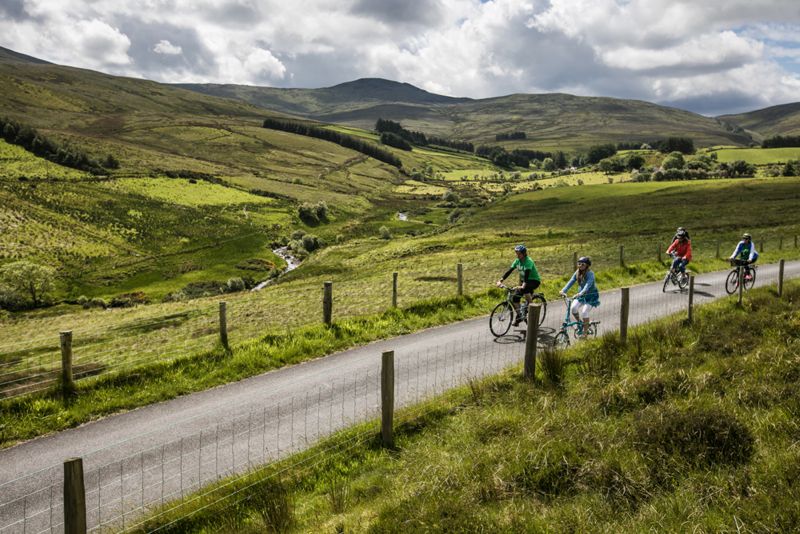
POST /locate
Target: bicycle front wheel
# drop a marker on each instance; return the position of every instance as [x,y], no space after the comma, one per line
[732,282]
[750,282]
[501,318]
[561,341]
[539,299]
[667,280]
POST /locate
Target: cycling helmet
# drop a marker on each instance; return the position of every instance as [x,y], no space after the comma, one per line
[585,259]
[747,236]
[680,233]
[521,248]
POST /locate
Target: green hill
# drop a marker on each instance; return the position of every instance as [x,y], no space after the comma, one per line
[551,121]
[768,122]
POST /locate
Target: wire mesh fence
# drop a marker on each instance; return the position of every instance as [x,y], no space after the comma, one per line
[148,474]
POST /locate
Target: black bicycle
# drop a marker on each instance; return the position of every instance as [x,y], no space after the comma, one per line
[505,313]
[732,281]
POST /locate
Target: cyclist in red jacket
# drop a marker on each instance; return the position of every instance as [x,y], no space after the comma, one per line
[682,249]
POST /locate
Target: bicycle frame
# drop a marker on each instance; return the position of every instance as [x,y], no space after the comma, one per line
[567,324]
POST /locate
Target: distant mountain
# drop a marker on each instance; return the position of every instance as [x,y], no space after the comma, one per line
[768,122]
[549,120]
[328,100]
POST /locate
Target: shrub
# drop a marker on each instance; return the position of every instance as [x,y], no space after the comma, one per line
[384,233]
[98,302]
[298,234]
[673,161]
[552,366]
[235,284]
[83,301]
[311,242]
[128,300]
[313,214]
[699,436]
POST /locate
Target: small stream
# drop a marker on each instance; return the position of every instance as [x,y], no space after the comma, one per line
[292,263]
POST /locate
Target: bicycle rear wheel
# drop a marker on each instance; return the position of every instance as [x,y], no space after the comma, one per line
[732,282]
[750,282]
[501,318]
[683,280]
[539,299]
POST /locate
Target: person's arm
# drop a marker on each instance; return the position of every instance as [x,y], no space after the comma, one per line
[508,272]
[569,284]
[672,247]
[753,253]
[588,283]
[737,250]
[688,255]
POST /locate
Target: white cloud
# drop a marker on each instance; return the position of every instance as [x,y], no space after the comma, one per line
[676,51]
[165,47]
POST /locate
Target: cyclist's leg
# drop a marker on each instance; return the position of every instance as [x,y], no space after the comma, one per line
[517,300]
[675,264]
[585,310]
[684,263]
[575,309]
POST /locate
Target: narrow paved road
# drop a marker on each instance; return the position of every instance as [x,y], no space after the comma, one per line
[157,453]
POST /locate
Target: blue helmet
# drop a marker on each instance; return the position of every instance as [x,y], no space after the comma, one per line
[521,248]
[585,259]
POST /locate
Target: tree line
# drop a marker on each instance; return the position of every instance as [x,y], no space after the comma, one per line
[781,141]
[341,139]
[393,134]
[31,140]
[510,136]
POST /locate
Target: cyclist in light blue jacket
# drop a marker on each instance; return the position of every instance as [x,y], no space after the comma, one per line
[588,297]
[745,254]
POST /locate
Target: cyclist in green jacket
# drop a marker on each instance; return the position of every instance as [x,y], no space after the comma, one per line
[529,279]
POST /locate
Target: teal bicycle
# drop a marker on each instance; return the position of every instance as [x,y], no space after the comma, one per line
[561,339]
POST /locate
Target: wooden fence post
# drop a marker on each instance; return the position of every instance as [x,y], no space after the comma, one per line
[531,340]
[387,398]
[780,277]
[223,325]
[691,298]
[717,256]
[780,243]
[622,255]
[761,245]
[624,308]
[327,303]
[74,497]
[460,276]
[67,379]
[574,261]
[394,290]
[658,252]
[741,284]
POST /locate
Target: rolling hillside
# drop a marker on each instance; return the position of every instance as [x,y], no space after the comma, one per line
[768,122]
[551,121]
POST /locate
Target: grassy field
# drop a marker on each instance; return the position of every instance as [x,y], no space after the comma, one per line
[687,428]
[758,156]
[555,223]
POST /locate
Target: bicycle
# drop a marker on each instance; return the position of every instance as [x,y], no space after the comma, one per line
[732,281]
[504,314]
[677,278]
[561,340]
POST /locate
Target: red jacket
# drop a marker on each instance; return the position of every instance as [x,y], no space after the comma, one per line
[684,250]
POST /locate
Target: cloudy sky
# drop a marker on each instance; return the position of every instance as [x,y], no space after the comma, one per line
[712,57]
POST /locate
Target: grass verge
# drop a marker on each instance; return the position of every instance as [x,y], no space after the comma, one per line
[687,427]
